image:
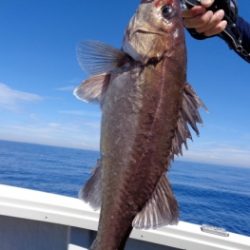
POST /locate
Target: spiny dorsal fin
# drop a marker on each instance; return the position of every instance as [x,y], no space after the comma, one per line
[91,191]
[160,210]
[93,88]
[188,116]
[96,57]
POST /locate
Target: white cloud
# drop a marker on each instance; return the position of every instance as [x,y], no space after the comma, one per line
[69,88]
[219,154]
[54,125]
[10,98]
[86,134]
[84,113]
[82,135]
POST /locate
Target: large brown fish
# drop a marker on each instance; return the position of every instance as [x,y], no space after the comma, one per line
[147,109]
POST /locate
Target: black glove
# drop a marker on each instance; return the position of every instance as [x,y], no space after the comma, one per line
[232,34]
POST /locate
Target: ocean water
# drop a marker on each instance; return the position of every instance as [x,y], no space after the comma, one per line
[207,194]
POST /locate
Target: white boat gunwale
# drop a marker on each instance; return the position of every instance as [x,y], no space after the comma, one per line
[52,208]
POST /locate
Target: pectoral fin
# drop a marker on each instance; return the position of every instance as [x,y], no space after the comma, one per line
[93,89]
[96,57]
[99,60]
[160,210]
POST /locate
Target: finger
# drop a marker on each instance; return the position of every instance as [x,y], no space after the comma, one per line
[217,30]
[195,11]
[216,18]
[199,21]
[207,3]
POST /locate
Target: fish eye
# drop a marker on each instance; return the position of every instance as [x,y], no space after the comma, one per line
[167,11]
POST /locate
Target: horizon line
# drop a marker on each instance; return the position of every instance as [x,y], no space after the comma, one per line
[178,159]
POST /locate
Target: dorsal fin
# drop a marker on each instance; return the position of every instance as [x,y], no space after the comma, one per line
[160,210]
[188,116]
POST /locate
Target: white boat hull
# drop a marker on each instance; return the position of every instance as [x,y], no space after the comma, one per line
[33,220]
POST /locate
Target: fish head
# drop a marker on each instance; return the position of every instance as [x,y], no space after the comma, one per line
[154,31]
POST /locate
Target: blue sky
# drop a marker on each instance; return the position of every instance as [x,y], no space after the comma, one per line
[39,70]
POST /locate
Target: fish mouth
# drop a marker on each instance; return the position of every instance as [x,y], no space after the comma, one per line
[147,32]
[146,1]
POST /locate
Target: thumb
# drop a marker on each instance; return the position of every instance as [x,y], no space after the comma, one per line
[207,3]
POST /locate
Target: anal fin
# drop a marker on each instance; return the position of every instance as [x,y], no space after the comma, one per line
[91,191]
[160,210]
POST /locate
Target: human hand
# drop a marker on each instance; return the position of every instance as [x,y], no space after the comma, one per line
[204,21]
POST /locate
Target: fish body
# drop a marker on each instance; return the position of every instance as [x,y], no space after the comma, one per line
[146,108]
